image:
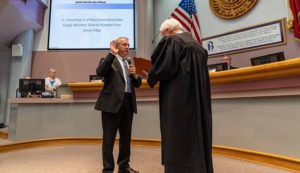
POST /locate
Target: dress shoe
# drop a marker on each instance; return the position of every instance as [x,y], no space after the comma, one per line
[128,170]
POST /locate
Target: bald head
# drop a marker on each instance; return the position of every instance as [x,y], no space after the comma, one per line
[52,73]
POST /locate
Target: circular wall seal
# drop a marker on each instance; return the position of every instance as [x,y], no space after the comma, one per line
[230,9]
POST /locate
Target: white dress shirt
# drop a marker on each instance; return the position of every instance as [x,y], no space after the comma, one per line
[120,59]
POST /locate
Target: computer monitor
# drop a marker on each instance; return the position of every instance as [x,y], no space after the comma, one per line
[217,67]
[95,78]
[265,59]
[34,86]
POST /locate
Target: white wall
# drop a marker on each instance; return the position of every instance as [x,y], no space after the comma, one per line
[5,58]
[266,124]
[264,11]
[148,26]
[149,15]
[41,38]
[45,1]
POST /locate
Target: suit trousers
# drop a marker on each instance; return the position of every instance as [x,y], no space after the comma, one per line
[111,123]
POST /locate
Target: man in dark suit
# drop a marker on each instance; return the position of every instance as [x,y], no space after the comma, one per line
[117,102]
[227,59]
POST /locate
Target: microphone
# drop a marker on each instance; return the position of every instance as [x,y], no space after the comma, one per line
[129,60]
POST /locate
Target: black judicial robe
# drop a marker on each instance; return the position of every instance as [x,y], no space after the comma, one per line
[180,64]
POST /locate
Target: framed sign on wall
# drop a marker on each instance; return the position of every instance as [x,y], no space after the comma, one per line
[254,37]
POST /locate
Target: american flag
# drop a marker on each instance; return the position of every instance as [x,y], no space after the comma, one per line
[186,14]
[295,9]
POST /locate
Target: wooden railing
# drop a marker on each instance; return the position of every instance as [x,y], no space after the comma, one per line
[274,70]
[281,69]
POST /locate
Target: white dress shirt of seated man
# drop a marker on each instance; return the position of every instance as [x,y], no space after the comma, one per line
[52,82]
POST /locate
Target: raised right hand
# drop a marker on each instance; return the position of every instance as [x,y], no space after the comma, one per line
[113,47]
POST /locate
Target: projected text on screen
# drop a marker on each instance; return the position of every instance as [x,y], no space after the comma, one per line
[90,24]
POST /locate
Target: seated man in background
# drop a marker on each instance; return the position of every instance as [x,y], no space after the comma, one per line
[227,59]
[52,82]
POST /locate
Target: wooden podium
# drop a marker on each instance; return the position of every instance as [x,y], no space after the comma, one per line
[278,78]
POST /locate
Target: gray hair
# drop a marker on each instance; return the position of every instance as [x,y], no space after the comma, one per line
[117,41]
[52,70]
[170,24]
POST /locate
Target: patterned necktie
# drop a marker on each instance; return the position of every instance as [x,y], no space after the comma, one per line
[128,84]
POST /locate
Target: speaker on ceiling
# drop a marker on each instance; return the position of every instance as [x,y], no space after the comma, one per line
[17,50]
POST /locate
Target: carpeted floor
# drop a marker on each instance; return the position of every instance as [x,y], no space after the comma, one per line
[87,159]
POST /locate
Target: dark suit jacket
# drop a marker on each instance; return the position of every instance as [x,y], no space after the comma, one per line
[112,94]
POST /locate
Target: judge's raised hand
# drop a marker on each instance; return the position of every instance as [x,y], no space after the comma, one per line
[113,47]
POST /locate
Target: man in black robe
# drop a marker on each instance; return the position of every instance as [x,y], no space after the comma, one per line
[180,65]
